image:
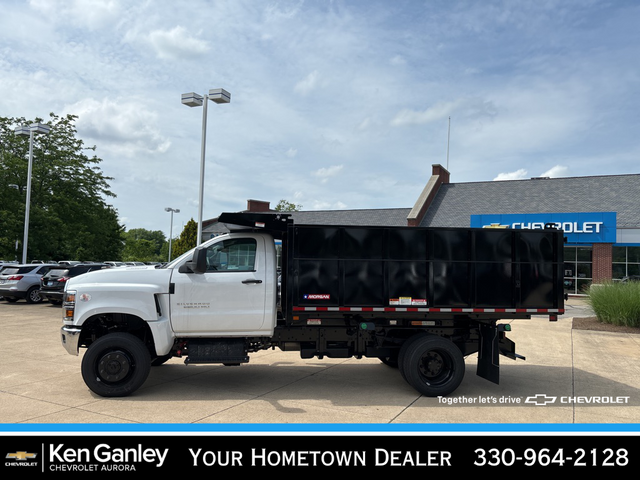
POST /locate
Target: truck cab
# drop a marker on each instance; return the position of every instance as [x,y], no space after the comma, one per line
[231,293]
[226,288]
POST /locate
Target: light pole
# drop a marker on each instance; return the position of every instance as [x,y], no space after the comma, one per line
[30,130]
[172,210]
[217,95]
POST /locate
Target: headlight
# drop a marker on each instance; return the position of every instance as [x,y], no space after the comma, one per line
[69,304]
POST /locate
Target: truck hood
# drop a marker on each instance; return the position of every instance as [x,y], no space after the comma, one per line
[154,279]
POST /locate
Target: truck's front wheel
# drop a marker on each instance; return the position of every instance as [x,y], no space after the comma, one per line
[116,365]
[433,365]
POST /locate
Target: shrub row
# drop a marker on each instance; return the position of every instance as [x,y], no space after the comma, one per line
[616,303]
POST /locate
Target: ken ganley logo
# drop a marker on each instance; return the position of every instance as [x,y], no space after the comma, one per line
[20,459]
[104,458]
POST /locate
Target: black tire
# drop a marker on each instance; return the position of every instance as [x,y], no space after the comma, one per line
[433,365]
[11,299]
[33,295]
[55,301]
[403,351]
[116,365]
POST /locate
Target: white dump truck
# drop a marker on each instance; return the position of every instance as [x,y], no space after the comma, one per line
[420,299]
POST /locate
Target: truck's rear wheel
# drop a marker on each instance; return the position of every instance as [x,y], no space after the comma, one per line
[433,365]
[116,365]
[403,350]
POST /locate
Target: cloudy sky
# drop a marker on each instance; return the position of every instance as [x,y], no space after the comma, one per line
[334,104]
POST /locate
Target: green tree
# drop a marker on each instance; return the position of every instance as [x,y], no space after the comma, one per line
[144,245]
[286,206]
[69,214]
[187,239]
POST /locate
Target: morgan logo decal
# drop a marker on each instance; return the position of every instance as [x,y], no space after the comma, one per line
[316,296]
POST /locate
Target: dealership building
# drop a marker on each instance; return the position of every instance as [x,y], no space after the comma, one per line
[600,216]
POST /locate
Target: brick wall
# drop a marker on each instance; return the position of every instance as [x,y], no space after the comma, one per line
[258,206]
[602,262]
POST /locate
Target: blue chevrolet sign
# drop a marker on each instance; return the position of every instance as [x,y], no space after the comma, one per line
[580,227]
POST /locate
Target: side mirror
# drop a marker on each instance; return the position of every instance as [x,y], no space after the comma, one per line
[197,264]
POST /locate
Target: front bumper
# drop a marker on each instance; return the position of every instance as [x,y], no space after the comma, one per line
[70,337]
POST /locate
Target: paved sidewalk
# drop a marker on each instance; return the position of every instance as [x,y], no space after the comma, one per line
[575,376]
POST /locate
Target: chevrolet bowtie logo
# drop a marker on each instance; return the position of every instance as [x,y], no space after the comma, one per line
[21,455]
[540,399]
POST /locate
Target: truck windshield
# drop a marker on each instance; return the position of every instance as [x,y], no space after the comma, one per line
[175,261]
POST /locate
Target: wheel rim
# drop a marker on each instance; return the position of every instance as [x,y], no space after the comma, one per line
[35,296]
[435,367]
[114,366]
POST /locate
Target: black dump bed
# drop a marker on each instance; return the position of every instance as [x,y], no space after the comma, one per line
[425,269]
[512,273]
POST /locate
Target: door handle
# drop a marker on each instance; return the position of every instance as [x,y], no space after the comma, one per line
[250,280]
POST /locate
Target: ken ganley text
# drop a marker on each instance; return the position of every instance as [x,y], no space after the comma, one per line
[103,457]
[318,458]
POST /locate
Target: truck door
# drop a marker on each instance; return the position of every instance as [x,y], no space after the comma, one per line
[229,298]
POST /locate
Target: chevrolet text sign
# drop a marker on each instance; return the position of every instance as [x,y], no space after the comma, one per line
[582,227]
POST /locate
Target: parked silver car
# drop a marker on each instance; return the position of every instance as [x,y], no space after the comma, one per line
[22,281]
[114,264]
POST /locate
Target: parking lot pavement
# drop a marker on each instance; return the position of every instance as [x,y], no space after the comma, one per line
[569,377]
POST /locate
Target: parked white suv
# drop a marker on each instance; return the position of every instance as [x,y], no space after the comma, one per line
[22,281]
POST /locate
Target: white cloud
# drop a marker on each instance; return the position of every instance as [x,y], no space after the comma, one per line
[307,84]
[431,114]
[324,205]
[124,125]
[325,173]
[467,108]
[517,175]
[520,174]
[291,153]
[364,125]
[177,43]
[86,14]
[557,171]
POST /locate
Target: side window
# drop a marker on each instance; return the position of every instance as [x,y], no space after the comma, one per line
[238,254]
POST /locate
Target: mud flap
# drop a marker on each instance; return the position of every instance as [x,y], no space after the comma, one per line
[489,353]
[493,343]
